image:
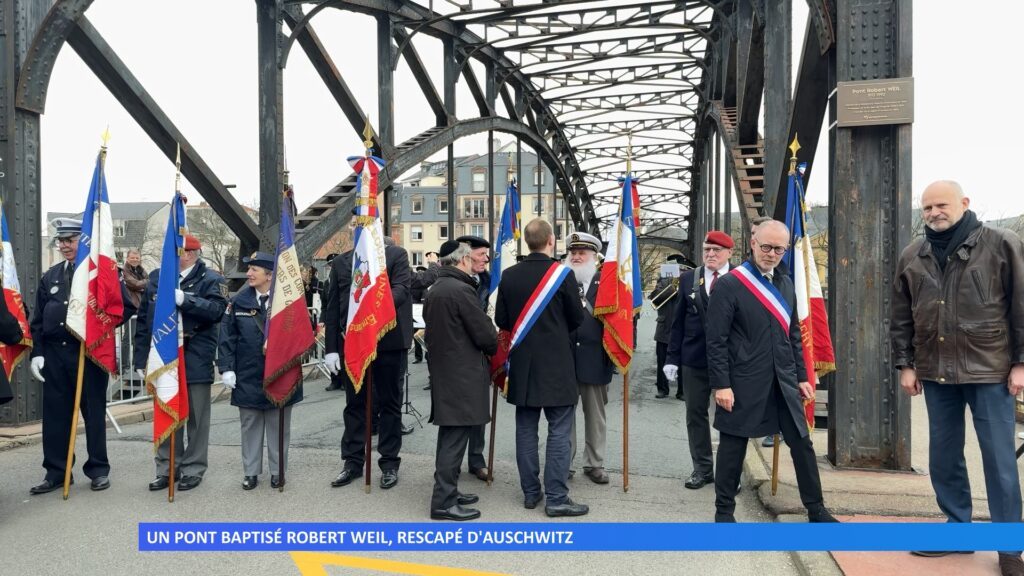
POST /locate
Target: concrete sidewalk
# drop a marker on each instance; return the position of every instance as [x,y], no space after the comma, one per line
[866,496]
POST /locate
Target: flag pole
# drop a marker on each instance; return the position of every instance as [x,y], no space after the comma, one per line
[775,463]
[74,419]
[170,482]
[625,373]
[177,191]
[280,449]
[490,447]
[367,446]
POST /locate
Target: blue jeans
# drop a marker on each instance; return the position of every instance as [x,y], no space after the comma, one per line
[992,410]
[556,458]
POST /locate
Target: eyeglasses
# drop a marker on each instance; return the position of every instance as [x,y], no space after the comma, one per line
[713,249]
[67,240]
[779,250]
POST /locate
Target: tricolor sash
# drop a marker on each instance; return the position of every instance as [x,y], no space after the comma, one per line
[765,292]
[537,302]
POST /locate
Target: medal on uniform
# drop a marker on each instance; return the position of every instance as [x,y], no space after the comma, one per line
[53,289]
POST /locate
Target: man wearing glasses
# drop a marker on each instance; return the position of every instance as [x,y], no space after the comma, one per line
[755,366]
[687,352]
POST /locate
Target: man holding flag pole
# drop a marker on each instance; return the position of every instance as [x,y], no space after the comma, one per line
[81,298]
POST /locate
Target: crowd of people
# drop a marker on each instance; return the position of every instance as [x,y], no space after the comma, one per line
[727,331]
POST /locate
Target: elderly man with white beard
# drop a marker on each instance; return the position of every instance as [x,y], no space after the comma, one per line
[593,366]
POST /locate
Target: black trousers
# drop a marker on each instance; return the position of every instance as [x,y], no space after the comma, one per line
[451,446]
[698,425]
[660,352]
[732,450]
[476,458]
[61,373]
[417,350]
[388,373]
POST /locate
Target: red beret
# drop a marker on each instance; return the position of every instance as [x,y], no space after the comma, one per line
[720,238]
[192,243]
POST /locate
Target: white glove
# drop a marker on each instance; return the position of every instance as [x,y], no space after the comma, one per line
[179,297]
[37,368]
[228,378]
[671,371]
[140,373]
[333,362]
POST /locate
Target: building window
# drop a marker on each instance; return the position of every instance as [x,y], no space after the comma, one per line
[442,231]
[476,230]
[537,206]
[559,208]
[558,231]
[474,208]
[417,205]
[416,233]
[479,181]
[442,205]
[417,258]
[118,229]
[538,176]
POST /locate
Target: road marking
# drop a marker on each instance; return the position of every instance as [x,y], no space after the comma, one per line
[313,563]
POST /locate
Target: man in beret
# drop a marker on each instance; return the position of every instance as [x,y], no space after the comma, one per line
[480,255]
[55,362]
[202,299]
[687,351]
[593,365]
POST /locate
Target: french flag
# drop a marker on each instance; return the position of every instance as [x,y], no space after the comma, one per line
[12,354]
[619,295]
[289,333]
[95,307]
[165,366]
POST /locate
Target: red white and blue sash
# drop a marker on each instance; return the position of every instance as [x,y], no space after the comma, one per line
[766,293]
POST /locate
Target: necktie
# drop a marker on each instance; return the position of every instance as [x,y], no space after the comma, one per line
[263,301]
[69,273]
[714,278]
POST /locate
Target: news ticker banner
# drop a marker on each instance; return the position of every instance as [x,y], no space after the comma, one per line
[574,537]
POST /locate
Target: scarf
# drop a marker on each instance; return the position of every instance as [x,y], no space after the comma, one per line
[945,243]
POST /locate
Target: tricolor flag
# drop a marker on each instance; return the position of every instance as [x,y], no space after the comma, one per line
[620,294]
[508,232]
[95,307]
[819,357]
[165,366]
[12,354]
[289,333]
[371,307]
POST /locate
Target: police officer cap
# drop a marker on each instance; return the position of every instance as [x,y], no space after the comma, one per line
[67,227]
[582,240]
[448,247]
[261,259]
[473,241]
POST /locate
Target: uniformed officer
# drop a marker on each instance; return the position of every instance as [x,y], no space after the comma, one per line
[201,299]
[241,362]
[593,366]
[55,362]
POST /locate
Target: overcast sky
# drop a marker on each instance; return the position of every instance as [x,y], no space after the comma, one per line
[197,59]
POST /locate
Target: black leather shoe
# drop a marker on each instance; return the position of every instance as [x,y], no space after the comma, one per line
[567,508]
[100,483]
[427,387]
[939,553]
[275,481]
[417,361]
[480,473]
[661,395]
[48,486]
[530,502]
[331,388]
[680,397]
[346,477]
[596,475]
[466,499]
[250,482]
[406,430]
[455,513]
[724,518]
[160,483]
[189,482]
[698,480]
[389,479]
[821,515]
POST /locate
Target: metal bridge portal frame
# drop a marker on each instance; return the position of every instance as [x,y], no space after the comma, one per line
[681,83]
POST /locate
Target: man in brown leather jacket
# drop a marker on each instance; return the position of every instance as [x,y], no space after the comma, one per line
[958,335]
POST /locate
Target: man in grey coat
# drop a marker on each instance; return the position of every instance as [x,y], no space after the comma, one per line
[460,338]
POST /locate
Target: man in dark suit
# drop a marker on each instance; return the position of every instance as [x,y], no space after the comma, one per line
[756,368]
[687,352]
[542,374]
[593,366]
[388,369]
[664,298]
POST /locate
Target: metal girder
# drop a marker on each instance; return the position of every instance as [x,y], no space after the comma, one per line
[101,59]
[34,78]
[271,114]
[778,82]
[750,73]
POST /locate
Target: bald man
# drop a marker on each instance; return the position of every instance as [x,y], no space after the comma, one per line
[958,336]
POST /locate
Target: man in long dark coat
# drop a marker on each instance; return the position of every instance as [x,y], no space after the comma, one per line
[755,364]
[460,338]
[542,375]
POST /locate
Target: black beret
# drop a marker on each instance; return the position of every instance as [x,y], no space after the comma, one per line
[448,247]
[474,242]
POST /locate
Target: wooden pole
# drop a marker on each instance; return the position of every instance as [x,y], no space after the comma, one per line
[74,419]
[280,450]
[775,464]
[368,447]
[170,477]
[490,447]
[625,431]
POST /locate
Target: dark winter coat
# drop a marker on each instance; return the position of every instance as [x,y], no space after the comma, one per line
[460,338]
[686,346]
[666,308]
[593,366]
